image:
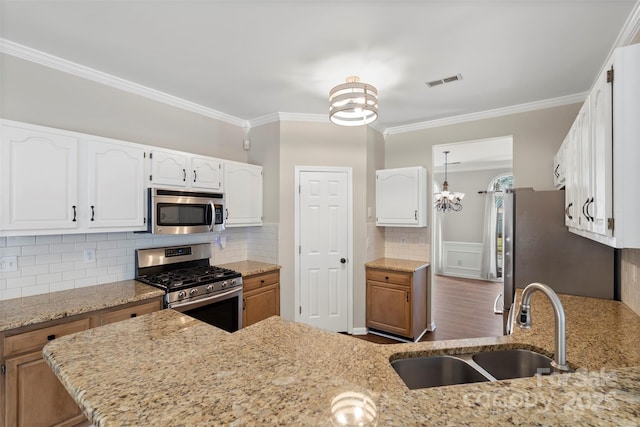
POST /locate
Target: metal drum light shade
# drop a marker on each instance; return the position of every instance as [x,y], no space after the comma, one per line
[353,103]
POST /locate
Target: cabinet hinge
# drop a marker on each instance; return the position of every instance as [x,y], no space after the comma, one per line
[3,370]
[610,76]
[611,224]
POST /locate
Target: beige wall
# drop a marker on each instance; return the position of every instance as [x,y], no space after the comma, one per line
[40,95]
[322,144]
[265,151]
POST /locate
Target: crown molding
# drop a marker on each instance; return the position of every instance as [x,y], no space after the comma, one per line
[33,55]
[498,112]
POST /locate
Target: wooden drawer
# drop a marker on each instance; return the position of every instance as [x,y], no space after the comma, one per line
[258,280]
[130,312]
[387,276]
[35,340]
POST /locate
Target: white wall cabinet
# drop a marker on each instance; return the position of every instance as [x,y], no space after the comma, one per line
[39,171]
[602,156]
[243,194]
[183,170]
[401,199]
[559,168]
[56,181]
[114,174]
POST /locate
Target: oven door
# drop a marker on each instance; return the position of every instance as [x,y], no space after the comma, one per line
[223,310]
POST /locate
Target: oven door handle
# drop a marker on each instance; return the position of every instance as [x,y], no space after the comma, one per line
[205,301]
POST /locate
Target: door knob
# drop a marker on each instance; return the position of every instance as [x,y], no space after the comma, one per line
[343,261]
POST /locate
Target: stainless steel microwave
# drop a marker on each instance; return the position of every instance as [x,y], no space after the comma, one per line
[184,212]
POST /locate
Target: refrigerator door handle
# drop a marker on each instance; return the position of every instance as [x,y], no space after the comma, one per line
[497,310]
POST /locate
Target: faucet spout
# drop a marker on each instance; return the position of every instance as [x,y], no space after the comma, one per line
[524,321]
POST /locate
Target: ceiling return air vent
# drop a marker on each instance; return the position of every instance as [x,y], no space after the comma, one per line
[444,80]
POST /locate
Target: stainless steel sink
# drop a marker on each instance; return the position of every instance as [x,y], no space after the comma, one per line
[435,371]
[507,364]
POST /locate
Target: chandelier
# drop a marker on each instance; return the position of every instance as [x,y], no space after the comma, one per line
[445,200]
[353,103]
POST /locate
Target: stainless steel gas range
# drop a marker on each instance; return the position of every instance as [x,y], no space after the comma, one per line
[193,286]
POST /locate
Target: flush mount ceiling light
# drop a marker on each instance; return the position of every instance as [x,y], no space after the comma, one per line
[445,200]
[353,103]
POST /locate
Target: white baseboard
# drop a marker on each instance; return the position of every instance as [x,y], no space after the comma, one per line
[359,331]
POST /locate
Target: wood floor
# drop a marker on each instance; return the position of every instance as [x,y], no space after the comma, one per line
[462,308]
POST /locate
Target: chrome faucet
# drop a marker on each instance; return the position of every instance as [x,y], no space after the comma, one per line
[524,321]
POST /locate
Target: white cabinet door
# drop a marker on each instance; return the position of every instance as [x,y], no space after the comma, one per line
[115,184]
[584,154]
[400,197]
[169,168]
[243,194]
[572,193]
[206,173]
[600,207]
[559,167]
[39,178]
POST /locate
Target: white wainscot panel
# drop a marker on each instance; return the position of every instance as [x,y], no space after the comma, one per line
[462,259]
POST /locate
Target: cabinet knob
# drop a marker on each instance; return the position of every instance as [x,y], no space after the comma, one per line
[133,315]
[51,337]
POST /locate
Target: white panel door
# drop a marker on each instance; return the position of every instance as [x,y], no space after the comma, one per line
[39,179]
[324,233]
[169,168]
[206,173]
[115,184]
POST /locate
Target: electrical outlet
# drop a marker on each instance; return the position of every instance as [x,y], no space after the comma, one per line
[8,264]
[423,241]
[403,241]
[89,256]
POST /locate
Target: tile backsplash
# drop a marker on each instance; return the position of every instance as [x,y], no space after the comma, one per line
[398,242]
[56,262]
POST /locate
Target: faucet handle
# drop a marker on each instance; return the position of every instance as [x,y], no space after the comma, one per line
[524,316]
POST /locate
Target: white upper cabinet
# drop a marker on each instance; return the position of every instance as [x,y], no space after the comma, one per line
[401,199]
[169,167]
[39,172]
[206,173]
[178,169]
[243,194]
[602,155]
[115,184]
[56,181]
[559,167]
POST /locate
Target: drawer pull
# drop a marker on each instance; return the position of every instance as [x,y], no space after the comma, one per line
[386,277]
[51,337]
[262,281]
[133,315]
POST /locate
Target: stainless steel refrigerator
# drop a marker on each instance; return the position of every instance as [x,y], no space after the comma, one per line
[538,247]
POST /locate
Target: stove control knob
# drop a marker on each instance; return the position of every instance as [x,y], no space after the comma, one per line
[224,284]
[209,288]
[193,291]
[182,294]
[233,282]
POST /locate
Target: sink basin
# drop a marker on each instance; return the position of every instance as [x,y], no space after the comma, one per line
[507,364]
[435,371]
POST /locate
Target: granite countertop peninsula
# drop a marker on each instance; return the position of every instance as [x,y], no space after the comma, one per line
[249,268]
[280,372]
[25,311]
[397,264]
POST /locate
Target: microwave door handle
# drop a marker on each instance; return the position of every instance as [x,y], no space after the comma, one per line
[212,209]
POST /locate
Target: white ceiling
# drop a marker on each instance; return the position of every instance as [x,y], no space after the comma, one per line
[250,59]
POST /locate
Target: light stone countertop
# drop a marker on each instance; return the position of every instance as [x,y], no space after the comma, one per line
[166,368]
[18,312]
[397,264]
[249,268]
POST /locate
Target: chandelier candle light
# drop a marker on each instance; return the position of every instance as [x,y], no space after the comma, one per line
[353,103]
[445,200]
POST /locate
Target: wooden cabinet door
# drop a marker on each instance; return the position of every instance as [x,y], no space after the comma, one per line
[260,304]
[389,308]
[39,182]
[243,194]
[206,173]
[115,181]
[130,312]
[35,397]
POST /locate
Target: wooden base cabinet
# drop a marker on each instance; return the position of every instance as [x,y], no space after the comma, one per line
[261,297]
[33,396]
[397,302]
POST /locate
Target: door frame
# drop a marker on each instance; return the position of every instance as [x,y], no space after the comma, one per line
[349,172]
